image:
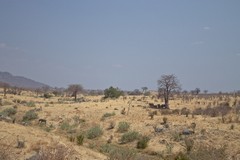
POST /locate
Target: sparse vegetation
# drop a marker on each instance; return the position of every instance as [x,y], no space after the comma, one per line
[169,129]
[108,115]
[123,127]
[30,104]
[30,115]
[118,153]
[94,132]
[80,139]
[143,142]
[8,112]
[129,136]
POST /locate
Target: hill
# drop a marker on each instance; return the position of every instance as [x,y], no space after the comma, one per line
[19,81]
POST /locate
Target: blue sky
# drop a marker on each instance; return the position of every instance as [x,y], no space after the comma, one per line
[128,44]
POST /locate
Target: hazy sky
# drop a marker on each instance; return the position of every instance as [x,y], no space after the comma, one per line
[125,43]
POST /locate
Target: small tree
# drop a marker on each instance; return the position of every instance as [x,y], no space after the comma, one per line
[197,91]
[112,92]
[167,84]
[144,89]
[74,89]
[205,91]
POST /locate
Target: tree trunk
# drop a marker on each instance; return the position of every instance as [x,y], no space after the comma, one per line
[166,102]
[75,97]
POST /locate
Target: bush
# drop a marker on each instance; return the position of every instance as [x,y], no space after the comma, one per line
[164,120]
[80,139]
[118,153]
[107,115]
[123,127]
[30,104]
[67,127]
[30,115]
[55,152]
[112,92]
[143,142]
[189,144]
[9,112]
[47,95]
[94,132]
[129,136]
[203,152]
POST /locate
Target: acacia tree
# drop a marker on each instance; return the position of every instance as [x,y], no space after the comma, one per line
[144,89]
[74,89]
[197,91]
[166,85]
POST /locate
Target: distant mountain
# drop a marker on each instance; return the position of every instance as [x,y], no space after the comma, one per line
[19,81]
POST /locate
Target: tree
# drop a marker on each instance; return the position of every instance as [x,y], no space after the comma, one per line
[74,89]
[135,92]
[205,91]
[166,85]
[112,92]
[197,91]
[144,89]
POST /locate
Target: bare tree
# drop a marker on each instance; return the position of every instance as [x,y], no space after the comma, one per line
[74,89]
[166,85]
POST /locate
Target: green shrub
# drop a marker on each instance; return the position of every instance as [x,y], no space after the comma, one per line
[112,92]
[30,104]
[122,154]
[80,139]
[118,153]
[47,95]
[30,115]
[143,142]
[129,136]
[123,127]
[66,126]
[94,132]
[9,112]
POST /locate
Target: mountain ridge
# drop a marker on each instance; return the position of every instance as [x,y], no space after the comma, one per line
[20,81]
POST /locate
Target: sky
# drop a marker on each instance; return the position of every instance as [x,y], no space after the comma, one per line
[122,43]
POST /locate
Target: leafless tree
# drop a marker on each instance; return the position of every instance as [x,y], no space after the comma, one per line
[74,89]
[166,85]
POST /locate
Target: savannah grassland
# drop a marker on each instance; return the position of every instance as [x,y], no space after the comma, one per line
[216,135]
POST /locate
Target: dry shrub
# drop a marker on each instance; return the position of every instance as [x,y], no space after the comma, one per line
[204,152]
[221,110]
[166,112]
[55,152]
[198,111]
[6,150]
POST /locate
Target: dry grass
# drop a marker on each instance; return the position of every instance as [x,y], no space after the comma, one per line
[85,115]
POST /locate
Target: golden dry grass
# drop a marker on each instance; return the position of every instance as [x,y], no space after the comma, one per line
[216,133]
